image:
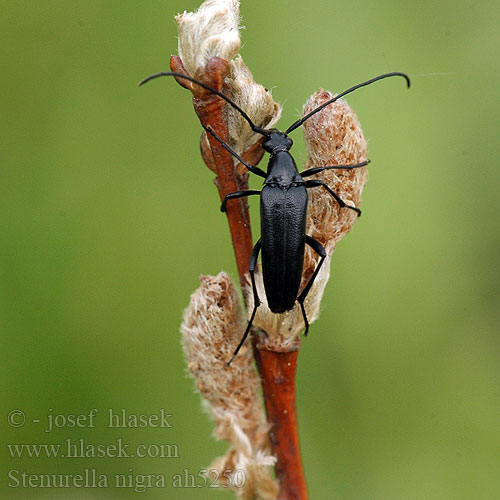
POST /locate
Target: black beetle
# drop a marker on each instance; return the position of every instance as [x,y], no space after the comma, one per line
[283,209]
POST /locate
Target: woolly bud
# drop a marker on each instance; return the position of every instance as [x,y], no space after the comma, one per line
[333,137]
[211,330]
[211,31]
[255,100]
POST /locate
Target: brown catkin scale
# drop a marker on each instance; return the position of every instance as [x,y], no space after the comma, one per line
[333,137]
[211,330]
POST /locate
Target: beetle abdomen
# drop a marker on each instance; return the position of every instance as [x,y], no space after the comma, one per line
[283,229]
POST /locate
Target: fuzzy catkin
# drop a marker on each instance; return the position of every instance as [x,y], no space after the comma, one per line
[334,137]
[255,100]
[211,330]
[213,31]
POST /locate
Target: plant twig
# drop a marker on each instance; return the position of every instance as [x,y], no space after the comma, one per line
[210,111]
[277,369]
[208,46]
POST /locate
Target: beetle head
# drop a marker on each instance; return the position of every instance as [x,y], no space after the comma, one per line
[277,141]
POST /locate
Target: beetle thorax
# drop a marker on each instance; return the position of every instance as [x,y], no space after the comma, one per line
[282,170]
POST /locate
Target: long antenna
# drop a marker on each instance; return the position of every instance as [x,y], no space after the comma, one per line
[298,123]
[220,94]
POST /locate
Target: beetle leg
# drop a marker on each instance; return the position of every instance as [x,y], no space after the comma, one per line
[316,183]
[320,250]
[256,300]
[237,194]
[317,170]
[252,168]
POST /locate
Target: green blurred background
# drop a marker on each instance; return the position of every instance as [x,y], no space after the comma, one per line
[108,217]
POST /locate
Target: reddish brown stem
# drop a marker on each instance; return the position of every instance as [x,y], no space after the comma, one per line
[211,112]
[277,369]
